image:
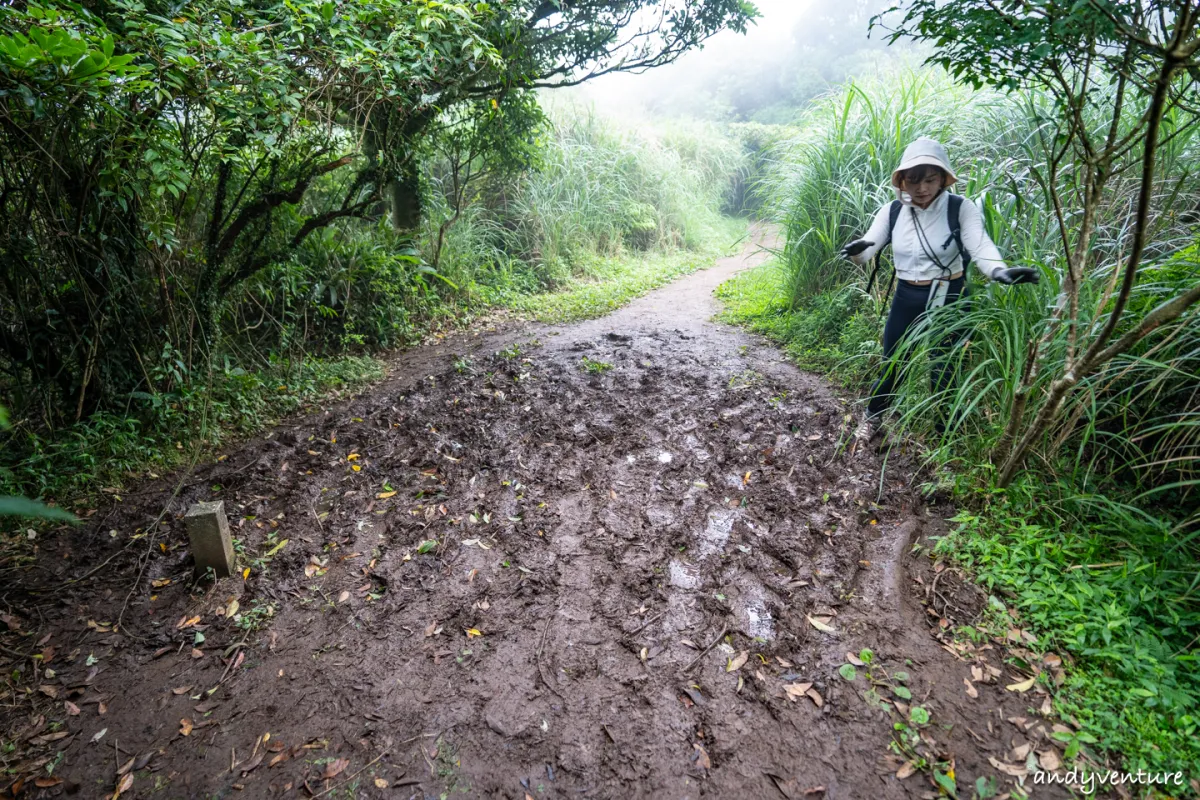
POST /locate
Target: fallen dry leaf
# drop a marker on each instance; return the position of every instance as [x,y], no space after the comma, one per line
[855,660]
[473,632]
[47,738]
[181,690]
[335,768]
[702,760]
[197,653]
[279,759]
[907,770]
[47,782]
[738,661]
[249,766]
[186,622]
[821,623]
[72,709]
[972,692]
[815,696]
[48,690]
[123,785]
[976,674]
[796,690]
[1023,686]
[380,783]
[1013,770]
[185,727]
[231,607]
[1049,760]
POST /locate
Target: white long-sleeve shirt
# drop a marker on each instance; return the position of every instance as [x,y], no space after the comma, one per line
[912,263]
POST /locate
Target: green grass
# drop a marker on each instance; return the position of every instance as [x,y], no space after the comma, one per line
[111,450]
[610,283]
[1131,688]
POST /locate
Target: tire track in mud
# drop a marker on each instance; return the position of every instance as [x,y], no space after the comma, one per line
[599,529]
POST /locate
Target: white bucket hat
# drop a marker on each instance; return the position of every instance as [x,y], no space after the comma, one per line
[924,151]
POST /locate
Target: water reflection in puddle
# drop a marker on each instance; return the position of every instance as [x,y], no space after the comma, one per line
[683,576]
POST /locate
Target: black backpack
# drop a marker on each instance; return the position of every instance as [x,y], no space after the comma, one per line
[953,207]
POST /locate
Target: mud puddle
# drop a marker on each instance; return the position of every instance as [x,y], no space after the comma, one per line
[587,561]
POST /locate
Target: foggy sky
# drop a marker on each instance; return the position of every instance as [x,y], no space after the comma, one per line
[792,40]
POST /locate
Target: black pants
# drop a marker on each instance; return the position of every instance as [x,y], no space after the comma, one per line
[908,306]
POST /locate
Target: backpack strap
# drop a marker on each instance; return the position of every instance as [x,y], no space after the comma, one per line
[893,214]
[953,210]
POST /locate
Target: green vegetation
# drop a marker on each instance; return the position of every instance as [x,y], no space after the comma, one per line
[1079,476]
[597,215]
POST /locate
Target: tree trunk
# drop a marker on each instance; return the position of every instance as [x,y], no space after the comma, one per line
[404,196]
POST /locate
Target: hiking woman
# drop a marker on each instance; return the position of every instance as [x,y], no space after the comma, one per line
[935,236]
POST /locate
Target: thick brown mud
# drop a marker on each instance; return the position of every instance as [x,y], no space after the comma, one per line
[577,561]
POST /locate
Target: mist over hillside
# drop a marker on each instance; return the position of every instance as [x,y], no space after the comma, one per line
[797,50]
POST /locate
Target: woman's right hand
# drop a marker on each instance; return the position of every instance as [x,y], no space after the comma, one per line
[855,247]
[1012,275]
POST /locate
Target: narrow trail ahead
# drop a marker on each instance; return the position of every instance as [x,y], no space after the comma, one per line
[592,530]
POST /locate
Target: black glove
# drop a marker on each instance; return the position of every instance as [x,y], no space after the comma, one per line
[1011,275]
[855,247]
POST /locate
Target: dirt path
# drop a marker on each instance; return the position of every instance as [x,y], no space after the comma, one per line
[605,544]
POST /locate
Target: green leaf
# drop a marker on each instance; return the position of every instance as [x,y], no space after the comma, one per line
[865,655]
[24,507]
[946,782]
[902,692]
[918,715]
[848,672]
[427,546]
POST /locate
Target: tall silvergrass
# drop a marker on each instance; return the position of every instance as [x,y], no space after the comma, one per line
[1116,482]
[601,189]
[836,173]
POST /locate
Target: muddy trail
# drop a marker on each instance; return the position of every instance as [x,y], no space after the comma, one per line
[622,558]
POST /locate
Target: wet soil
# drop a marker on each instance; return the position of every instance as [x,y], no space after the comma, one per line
[575,561]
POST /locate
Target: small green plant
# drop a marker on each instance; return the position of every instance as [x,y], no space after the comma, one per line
[511,352]
[463,365]
[593,367]
[256,616]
